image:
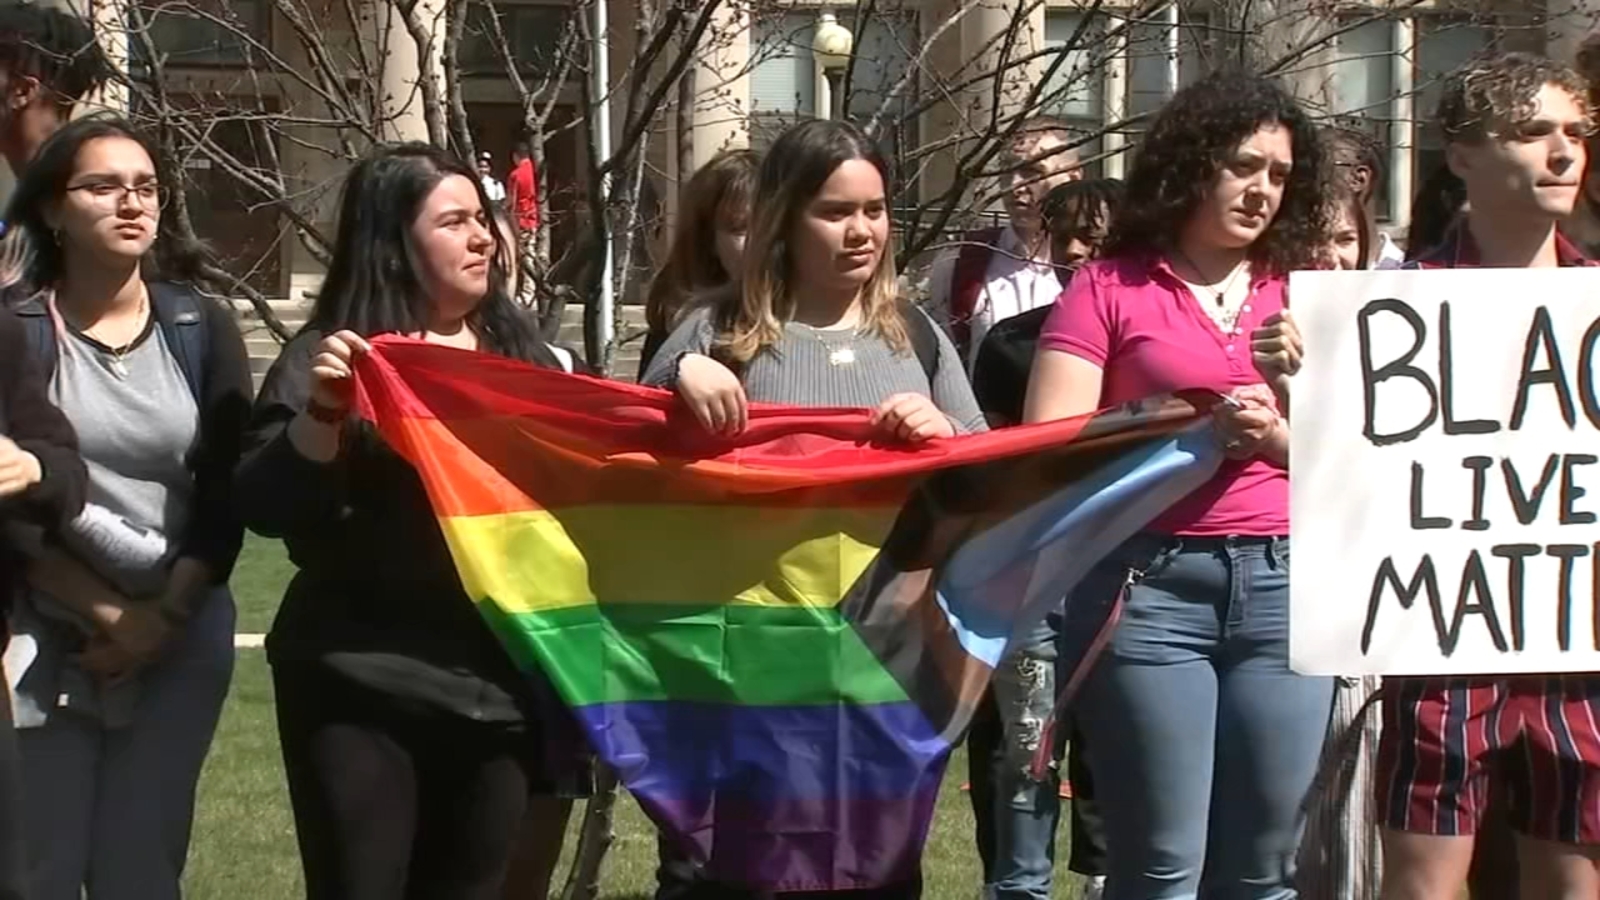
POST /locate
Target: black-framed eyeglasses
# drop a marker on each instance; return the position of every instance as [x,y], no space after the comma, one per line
[110,194]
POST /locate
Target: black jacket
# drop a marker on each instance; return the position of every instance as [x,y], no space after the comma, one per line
[215,533]
[27,417]
[377,599]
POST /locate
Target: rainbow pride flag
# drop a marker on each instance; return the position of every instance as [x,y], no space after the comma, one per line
[775,641]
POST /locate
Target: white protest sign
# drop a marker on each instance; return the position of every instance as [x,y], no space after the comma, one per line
[1445,472]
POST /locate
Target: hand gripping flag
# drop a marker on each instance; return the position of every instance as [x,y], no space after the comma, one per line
[775,640]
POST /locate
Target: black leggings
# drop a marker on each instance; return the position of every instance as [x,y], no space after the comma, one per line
[396,803]
[13,859]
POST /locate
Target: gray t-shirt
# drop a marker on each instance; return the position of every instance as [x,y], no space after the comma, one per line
[137,423]
[815,367]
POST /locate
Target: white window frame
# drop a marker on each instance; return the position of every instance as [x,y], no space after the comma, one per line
[1408,116]
[1116,90]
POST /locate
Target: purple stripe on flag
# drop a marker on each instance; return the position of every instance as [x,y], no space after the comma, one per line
[798,798]
[864,843]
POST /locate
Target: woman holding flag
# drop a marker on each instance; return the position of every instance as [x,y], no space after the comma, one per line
[414,749]
[1192,714]
[816,320]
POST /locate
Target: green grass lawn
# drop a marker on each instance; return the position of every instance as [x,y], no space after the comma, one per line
[244,836]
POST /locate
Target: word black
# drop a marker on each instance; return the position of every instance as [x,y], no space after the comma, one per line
[1541,366]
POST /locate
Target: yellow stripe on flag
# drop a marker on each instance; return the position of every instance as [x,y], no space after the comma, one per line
[543,560]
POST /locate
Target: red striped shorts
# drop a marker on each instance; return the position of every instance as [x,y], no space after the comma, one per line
[1447,742]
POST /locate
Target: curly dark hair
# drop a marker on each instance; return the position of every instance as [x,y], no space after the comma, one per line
[1492,95]
[1192,137]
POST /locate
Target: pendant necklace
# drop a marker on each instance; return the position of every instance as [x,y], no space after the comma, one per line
[117,356]
[1222,312]
[839,354]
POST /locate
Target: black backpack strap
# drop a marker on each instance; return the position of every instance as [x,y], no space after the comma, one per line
[183,321]
[924,340]
[41,332]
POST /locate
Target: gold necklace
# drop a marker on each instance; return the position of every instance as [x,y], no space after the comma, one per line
[117,363]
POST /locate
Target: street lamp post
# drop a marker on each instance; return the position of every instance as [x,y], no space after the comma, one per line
[831,47]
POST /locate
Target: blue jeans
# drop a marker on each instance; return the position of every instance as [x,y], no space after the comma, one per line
[110,809]
[1202,742]
[1026,811]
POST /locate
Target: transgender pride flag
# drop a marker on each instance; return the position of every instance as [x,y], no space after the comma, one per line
[775,641]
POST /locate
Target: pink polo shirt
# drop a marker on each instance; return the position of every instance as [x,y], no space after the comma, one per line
[1135,319]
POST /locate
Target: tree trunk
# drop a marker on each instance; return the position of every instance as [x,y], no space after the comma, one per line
[686,166]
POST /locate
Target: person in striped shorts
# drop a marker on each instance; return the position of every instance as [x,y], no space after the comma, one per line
[1515,127]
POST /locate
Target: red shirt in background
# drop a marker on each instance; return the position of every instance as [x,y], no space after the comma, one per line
[522,193]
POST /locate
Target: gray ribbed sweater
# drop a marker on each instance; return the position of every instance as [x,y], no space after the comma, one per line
[811,367]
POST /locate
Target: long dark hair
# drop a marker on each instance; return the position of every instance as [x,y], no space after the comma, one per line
[1192,137]
[32,248]
[372,285]
[794,170]
[719,189]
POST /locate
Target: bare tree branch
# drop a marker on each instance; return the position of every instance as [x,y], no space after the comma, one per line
[460,129]
[638,123]
[427,82]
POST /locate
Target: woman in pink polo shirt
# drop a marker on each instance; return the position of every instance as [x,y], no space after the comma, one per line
[1204,741]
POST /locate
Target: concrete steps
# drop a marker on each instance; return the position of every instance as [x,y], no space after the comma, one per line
[263,345]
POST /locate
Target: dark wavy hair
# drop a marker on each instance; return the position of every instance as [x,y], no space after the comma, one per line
[32,250]
[1192,137]
[372,285]
[1082,205]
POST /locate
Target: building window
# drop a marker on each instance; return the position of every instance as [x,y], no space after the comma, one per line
[1443,45]
[783,73]
[1365,89]
[532,32]
[202,32]
[1076,91]
[783,78]
[1150,60]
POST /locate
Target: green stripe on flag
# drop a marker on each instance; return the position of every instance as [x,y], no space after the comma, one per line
[744,655]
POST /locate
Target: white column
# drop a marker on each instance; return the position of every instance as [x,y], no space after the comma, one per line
[1403,141]
[722,85]
[107,18]
[982,40]
[401,67]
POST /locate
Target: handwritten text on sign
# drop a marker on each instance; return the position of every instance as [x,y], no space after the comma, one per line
[1445,472]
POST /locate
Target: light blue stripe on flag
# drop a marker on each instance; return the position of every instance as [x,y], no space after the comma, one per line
[1004,581]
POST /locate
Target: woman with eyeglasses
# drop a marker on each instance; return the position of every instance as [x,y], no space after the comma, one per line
[127,614]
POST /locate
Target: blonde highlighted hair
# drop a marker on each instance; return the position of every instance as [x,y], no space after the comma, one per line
[797,165]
